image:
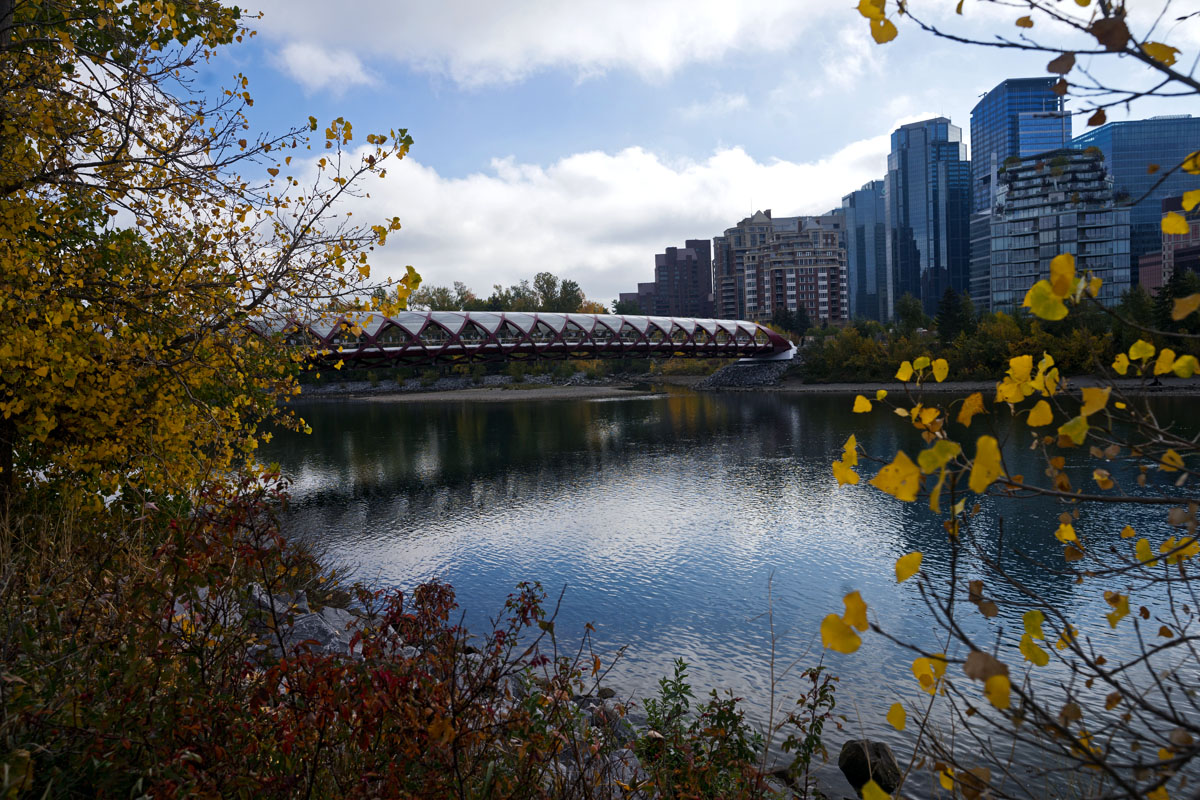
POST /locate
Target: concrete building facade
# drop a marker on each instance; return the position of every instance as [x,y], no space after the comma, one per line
[767,264]
[683,281]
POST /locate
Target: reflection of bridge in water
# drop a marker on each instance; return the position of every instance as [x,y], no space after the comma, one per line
[447,337]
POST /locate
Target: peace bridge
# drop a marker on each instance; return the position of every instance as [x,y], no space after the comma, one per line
[445,337]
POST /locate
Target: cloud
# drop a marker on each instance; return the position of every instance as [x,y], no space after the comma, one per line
[596,217]
[718,105]
[479,43]
[316,68]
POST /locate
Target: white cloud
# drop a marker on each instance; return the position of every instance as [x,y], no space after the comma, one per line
[718,105]
[596,217]
[316,68]
[479,43]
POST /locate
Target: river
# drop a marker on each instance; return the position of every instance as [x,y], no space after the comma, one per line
[663,518]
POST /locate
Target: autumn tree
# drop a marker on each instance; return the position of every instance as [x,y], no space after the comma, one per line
[152,248]
[1087,687]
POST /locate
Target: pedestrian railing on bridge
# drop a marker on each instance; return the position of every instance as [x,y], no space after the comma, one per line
[367,339]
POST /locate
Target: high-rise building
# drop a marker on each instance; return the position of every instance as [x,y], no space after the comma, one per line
[1180,251]
[928,208]
[683,280]
[643,298]
[1057,202]
[1131,149]
[979,284]
[1019,118]
[870,281]
[765,265]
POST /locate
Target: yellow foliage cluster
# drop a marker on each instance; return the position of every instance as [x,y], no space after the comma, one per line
[147,283]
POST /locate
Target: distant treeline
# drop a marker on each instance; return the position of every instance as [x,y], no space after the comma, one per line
[978,346]
[546,293]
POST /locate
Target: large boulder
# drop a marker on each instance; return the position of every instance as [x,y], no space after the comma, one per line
[862,760]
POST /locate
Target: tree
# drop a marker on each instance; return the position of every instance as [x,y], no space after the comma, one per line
[949,317]
[147,282]
[1028,677]
[910,315]
[626,307]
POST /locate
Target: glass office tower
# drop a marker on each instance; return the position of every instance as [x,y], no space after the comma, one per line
[1019,118]
[866,253]
[928,197]
[1129,149]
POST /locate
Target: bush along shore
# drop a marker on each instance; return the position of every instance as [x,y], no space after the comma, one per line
[165,653]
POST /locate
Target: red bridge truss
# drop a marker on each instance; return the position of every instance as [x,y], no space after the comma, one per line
[440,337]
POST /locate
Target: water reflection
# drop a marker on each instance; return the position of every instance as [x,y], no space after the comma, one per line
[664,517]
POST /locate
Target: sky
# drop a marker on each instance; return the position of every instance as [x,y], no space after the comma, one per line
[582,138]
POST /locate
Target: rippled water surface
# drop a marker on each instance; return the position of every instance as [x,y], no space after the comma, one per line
[664,516]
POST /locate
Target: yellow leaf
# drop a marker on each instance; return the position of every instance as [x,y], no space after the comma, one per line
[1186,366]
[1191,164]
[1171,461]
[941,368]
[1121,364]
[850,452]
[1165,362]
[908,565]
[1162,53]
[883,31]
[856,611]
[901,478]
[971,406]
[1120,606]
[1032,621]
[946,779]
[1158,793]
[921,363]
[1103,478]
[1041,300]
[1141,350]
[844,474]
[986,467]
[1025,22]
[1094,399]
[1175,224]
[938,456]
[1144,553]
[1034,654]
[872,9]
[861,405]
[1075,430]
[272,171]
[1062,275]
[905,373]
[1127,532]
[1040,415]
[1093,286]
[929,671]
[996,689]
[1065,638]
[897,717]
[880,394]
[1185,305]
[1191,200]
[872,791]
[1019,368]
[1066,533]
[838,636]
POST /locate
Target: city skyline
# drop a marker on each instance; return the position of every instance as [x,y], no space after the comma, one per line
[655,123]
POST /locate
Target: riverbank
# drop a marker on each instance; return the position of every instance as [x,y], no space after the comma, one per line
[504,390]
[622,386]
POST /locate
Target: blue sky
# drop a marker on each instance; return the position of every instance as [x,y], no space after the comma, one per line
[583,138]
